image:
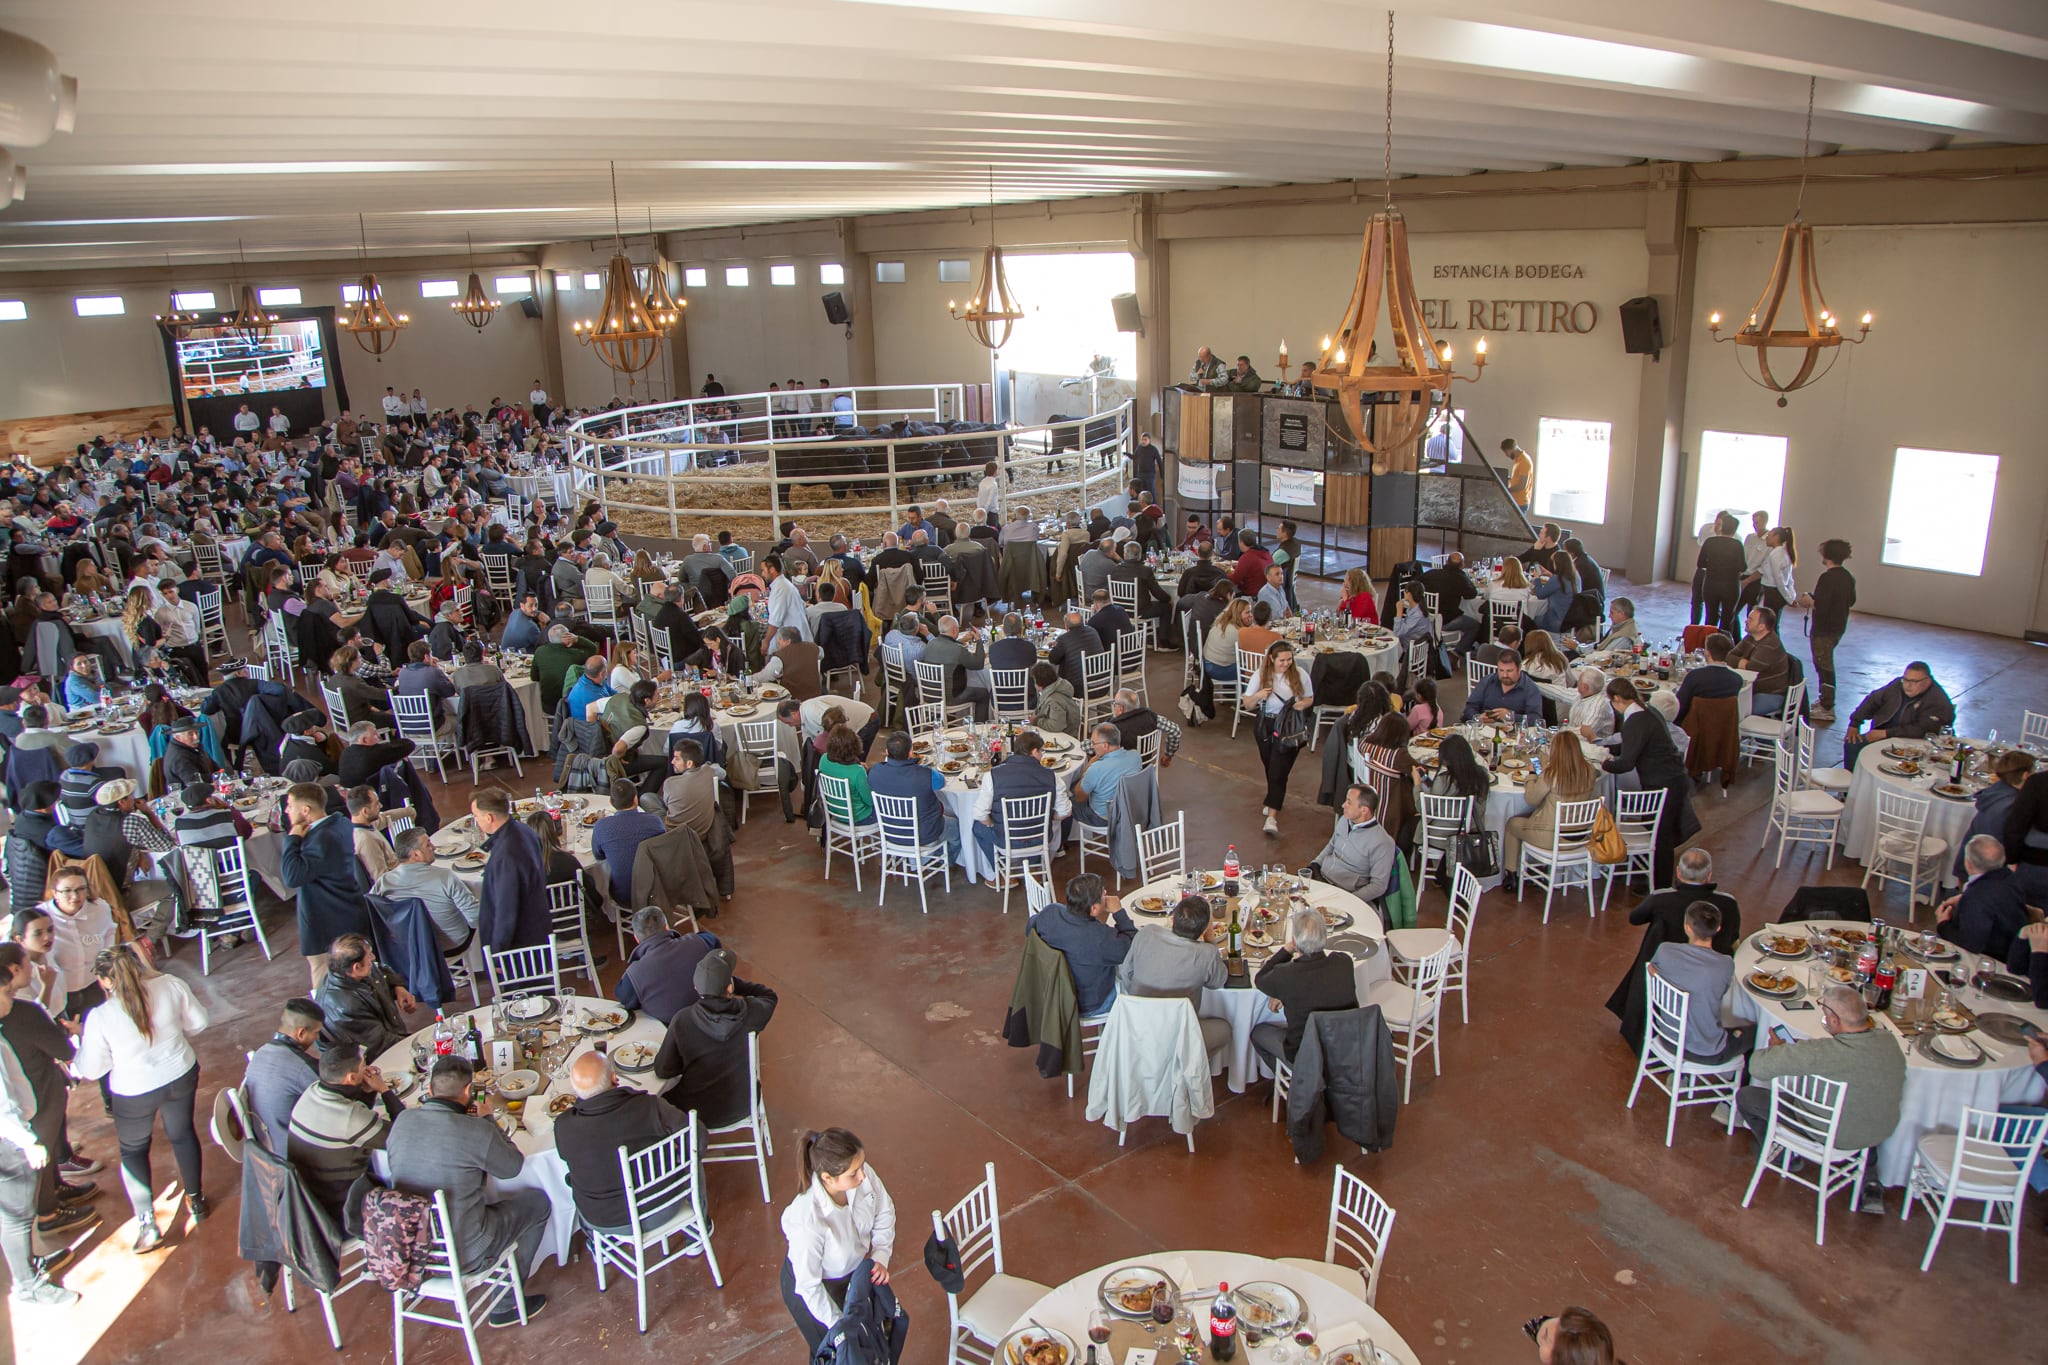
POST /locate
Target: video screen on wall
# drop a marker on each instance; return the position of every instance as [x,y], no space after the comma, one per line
[223,365]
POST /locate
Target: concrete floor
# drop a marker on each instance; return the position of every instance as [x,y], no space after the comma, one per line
[1522,1184]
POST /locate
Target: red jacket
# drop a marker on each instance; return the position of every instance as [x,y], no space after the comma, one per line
[1250,573]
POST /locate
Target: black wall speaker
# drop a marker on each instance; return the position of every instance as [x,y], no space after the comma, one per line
[530,306]
[1127,318]
[835,309]
[1642,330]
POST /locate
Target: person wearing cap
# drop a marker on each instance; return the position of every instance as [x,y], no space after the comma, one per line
[79,780]
[705,1048]
[119,832]
[184,762]
[207,821]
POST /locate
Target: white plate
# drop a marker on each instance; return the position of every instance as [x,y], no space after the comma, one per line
[531,1007]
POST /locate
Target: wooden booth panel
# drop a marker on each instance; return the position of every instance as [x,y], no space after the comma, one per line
[49,440]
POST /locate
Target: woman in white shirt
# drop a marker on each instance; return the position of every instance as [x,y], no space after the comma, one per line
[841,1217]
[81,929]
[137,1041]
[1781,558]
[1276,689]
[37,936]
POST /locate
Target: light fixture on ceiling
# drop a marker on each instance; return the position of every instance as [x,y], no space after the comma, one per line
[475,306]
[1821,332]
[40,100]
[662,304]
[1409,392]
[369,319]
[13,179]
[624,333]
[250,321]
[178,324]
[993,311]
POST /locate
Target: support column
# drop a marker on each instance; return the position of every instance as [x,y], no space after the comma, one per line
[1153,288]
[1660,400]
[859,290]
[551,372]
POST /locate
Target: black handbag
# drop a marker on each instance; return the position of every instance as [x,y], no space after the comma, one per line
[1477,851]
[1292,731]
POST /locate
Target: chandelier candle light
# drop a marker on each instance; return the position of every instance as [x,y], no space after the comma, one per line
[993,311]
[248,321]
[369,319]
[1412,389]
[177,325]
[663,306]
[1821,330]
[475,307]
[625,334]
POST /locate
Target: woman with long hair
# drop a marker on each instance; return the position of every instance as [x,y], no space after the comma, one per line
[1781,561]
[158,708]
[1359,599]
[1391,772]
[1574,1337]
[1372,702]
[1422,710]
[1280,692]
[139,627]
[1541,658]
[644,568]
[841,1217]
[1566,776]
[1550,596]
[89,581]
[137,1040]
[1511,576]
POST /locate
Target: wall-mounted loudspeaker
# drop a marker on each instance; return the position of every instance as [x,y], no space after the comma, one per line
[1642,330]
[1127,318]
[530,306]
[835,309]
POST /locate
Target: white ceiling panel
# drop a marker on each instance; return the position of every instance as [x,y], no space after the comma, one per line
[204,121]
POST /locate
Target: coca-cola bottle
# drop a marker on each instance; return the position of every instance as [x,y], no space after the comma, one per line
[444,1036]
[1222,1326]
[1230,870]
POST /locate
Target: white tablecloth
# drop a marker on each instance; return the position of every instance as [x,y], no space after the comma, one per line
[1245,1006]
[106,629]
[1329,1307]
[1947,819]
[544,1170]
[1508,799]
[959,798]
[1935,1095]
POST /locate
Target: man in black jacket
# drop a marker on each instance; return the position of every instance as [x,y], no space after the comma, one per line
[1646,750]
[364,1001]
[1068,651]
[365,754]
[1834,593]
[185,763]
[1454,588]
[686,642]
[606,1117]
[1721,564]
[388,620]
[1910,706]
[1302,978]
[1663,914]
[706,1045]
[1205,574]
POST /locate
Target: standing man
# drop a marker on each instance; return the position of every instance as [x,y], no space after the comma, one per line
[1148,466]
[319,862]
[785,603]
[1834,593]
[1521,472]
[537,400]
[513,910]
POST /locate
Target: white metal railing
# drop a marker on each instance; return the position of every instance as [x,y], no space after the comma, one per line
[757,440]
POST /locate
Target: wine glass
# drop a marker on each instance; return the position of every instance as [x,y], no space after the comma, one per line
[1098,1326]
[1305,1331]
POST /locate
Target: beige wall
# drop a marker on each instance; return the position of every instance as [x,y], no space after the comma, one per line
[57,362]
[1246,295]
[1941,371]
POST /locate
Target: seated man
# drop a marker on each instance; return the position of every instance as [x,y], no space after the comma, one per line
[364,1001]
[280,1071]
[1763,653]
[1856,1052]
[1020,774]
[443,1146]
[617,837]
[1716,678]
[1592,715]
[1360,854]
[1507,696]
[1092,931]
[606,1117]
[899,774]
[690,797]
[450,902]
[419,677]
[1910,706]
[1175,961]
[1622,631]
[1989,912]
[1704,975]
[337,1122]
[1301,978]
[1096,781]
[1134,720]
[706,1045]
[660,975]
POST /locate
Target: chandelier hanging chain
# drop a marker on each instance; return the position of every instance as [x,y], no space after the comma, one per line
[617,231]
[1387,148]
[992,311]
[1805,146]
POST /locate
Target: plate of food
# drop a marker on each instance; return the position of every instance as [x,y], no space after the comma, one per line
[1905,767]
[1954,791]
[248,801]
[1152,905]
[1035,1345]
[1851,938]
[951,766]
[1775,984]
[601,1021]
[742,710]
[1359,1353]
[633,1057]
[560,1105]
[1215,933]
[590,819]
[402,1082]
[1954,1019]
[1784,945]
[1128,1290]
[1903,751]
[957,746]
[1333,918]
[528,1009]
[476,857]
[1940,950]
[772,691]
[1211,880]
[1841,976]
[1266,1306]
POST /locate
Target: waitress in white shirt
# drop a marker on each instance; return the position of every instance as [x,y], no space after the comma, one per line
[137,1040]
[1781,560]
[842,1217]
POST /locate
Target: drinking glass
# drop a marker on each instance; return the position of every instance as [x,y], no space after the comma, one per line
[1305,1330]
[1098,1326]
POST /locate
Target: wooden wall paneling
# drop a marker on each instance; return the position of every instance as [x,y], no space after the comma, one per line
[49,440]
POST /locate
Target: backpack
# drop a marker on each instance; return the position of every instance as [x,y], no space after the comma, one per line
[397,1230]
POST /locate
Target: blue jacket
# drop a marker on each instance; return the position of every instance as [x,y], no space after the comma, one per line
[513,909]
[870,1329]
[1552,592]
[402,932]
[1093,950]
[616,838]
[905,777]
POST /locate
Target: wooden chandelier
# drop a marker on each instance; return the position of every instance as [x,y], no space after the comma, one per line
[1819,332]
[993,312]
[475,307]
[370,319]
[624,334]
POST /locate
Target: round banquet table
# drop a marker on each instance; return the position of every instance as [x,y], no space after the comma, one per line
[1936,1093]
[1948,818]
[1340,1318]
[544,1169]
[1377,644]
[1242,1004]
[106,628]
[1508,799]
[1062,753]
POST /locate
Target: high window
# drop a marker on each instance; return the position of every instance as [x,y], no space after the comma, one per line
[696,277]
[439,289]
[736,277]
[1940,515]
[888,272]
[513,284]
[831,273]
[1571,469]
[1740,472]
[103,306]
[197,301]
[782,274]
[278,298]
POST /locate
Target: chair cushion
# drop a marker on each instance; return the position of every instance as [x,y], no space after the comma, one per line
[1413,945]
[1901,845]
[1810,803]
[1830,779]
[1396,1002]
[1938,1150]
[1344,1277]
[1761,726]
[994,1308]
